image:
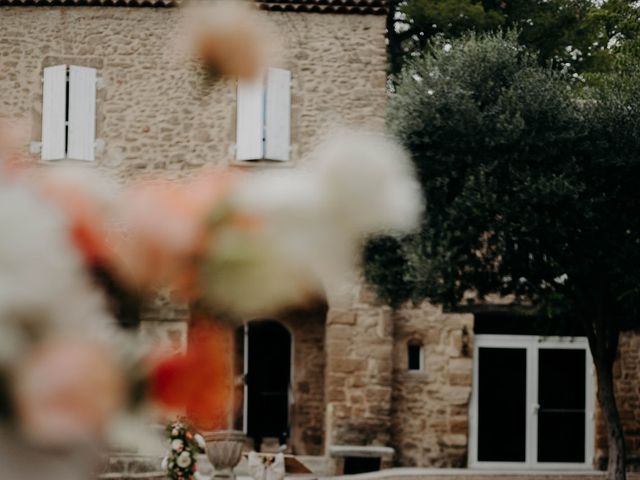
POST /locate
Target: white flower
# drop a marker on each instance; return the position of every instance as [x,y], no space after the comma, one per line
[165,464]
[315,218]
[174,432]
[447,47]
[184,460]
[200,441]
[42,279]
[369,184]
[177,445]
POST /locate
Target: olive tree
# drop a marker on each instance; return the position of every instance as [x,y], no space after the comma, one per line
[532,190]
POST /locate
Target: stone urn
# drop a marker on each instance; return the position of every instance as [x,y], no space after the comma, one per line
[224,451]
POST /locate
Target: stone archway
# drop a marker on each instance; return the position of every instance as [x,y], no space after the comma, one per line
[304,377]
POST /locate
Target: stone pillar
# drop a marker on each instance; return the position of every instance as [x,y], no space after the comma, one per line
[359,345]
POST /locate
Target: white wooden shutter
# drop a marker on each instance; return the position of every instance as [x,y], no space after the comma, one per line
[54,104]
[278,115]
[250,120]
[82,113]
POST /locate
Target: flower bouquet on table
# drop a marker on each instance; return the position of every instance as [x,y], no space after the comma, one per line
[185,446]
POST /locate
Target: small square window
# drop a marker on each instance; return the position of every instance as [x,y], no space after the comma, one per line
[414,356]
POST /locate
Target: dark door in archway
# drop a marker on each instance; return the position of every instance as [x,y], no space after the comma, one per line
[268,378]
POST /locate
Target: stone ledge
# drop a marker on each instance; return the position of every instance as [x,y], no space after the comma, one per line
[360,451]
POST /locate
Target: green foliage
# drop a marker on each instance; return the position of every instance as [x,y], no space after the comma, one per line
[580,36]
[530,189]
[451,17]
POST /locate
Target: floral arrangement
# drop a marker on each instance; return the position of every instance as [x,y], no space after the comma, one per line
[181,463]
[236,246]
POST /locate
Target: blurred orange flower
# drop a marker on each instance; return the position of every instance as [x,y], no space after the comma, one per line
[199,382]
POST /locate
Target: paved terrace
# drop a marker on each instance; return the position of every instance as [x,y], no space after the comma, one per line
[136,468]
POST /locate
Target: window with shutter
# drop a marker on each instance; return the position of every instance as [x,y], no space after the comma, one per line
[278,115]
[68,113]
[81,133]
[264,117]
[54,114]
[250,120]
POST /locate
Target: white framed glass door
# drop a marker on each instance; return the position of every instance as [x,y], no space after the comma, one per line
[532,404]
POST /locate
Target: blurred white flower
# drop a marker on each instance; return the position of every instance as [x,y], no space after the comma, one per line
[200,441]
[370,183]
[314,219]
[184,460]
[43,285]
[165,464]
[177,445]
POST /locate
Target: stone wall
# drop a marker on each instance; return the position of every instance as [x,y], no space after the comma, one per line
[157,110]
[429,415]
[627,378]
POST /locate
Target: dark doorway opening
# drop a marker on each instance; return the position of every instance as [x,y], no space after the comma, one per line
[502,404]
[562,400]
[268,379]
[354,465]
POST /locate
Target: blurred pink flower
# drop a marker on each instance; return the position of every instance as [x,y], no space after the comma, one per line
[165,226]
[66,391]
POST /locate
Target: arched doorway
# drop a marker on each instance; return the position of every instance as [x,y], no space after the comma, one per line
[267,368]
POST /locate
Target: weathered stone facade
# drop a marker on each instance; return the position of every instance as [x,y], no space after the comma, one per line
[157,110]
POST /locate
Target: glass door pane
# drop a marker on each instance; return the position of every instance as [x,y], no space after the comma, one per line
[502,396]
[562,401]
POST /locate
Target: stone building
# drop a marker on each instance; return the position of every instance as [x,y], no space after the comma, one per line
[349,380]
